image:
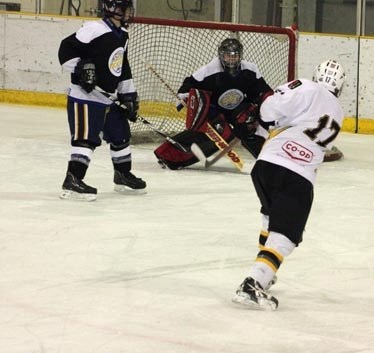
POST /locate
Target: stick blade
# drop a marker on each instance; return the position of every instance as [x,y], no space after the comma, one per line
[199,154]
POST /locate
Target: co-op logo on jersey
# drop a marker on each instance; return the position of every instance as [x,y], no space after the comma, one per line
[230,99]
[298,152]
[115,62]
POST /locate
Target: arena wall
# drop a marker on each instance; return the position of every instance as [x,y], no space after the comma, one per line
[30,72]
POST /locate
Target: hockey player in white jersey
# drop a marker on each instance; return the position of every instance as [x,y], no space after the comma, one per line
[307,118]
[96,56]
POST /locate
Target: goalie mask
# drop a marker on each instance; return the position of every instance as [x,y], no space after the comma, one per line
[120,10]
[331,75]
[230,54]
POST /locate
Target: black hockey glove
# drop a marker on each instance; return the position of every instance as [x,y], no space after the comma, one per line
[246,122]
[86,73]
[130,105]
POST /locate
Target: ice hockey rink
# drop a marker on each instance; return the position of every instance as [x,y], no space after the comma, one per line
[155,273]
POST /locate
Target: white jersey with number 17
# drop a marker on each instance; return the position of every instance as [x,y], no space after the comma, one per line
[307,119]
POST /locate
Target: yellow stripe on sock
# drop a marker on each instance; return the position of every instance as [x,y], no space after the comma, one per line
[267,262]
[274,252]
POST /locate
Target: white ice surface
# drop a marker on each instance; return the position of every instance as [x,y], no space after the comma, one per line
[155,273]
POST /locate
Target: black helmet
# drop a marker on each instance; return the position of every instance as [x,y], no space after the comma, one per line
[109,9]
[230,53]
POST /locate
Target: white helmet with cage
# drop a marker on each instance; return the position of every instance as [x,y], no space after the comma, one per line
[331,75]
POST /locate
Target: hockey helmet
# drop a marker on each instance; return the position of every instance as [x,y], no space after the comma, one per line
[119,9]
[230,53]
[331,75]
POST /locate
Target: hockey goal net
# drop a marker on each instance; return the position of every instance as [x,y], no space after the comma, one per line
[163,52]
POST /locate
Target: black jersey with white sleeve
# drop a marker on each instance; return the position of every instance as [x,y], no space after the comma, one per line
[228,91]
[106,46]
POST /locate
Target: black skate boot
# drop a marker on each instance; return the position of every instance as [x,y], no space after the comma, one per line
[251,294]
[126,183]
[75,189]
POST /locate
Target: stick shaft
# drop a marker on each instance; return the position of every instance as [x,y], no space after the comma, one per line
[145,121]
[219,155]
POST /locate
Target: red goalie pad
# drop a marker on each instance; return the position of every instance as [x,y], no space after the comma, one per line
[171,157]
[198,105]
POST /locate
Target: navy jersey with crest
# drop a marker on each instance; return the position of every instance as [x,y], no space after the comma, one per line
[228,92]
[106,45]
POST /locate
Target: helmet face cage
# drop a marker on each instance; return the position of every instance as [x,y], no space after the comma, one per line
[331,75]
[126,7]
[230,54]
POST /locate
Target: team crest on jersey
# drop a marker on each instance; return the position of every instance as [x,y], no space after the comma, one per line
[115,62]
[230,99]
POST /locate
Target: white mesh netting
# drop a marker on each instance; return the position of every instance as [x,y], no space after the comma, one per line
[163,52]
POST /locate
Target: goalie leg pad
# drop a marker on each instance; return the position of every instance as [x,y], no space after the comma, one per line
[173,158]
[253,144]
[220,124]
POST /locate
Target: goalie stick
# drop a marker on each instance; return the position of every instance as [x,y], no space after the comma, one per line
[144,121]
[212,134]
[222,144]
[208,162]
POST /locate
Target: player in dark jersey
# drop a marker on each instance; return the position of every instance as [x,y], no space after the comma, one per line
[236,89]
[96,56]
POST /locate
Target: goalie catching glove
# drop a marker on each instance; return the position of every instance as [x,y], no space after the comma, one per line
[130,105]
[85,73]
[246,122]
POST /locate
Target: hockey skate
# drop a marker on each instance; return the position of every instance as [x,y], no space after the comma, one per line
[75,189]
[128,183]
[251,294]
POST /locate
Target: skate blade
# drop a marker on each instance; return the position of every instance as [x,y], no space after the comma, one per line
[264,304]
[76,196]
[125,190]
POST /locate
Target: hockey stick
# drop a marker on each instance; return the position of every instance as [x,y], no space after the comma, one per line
[208,162]
[211,132]
[221,143]
[152,127]
[144,121]
[154,72]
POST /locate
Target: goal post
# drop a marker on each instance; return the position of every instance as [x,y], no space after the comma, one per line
[163,52]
